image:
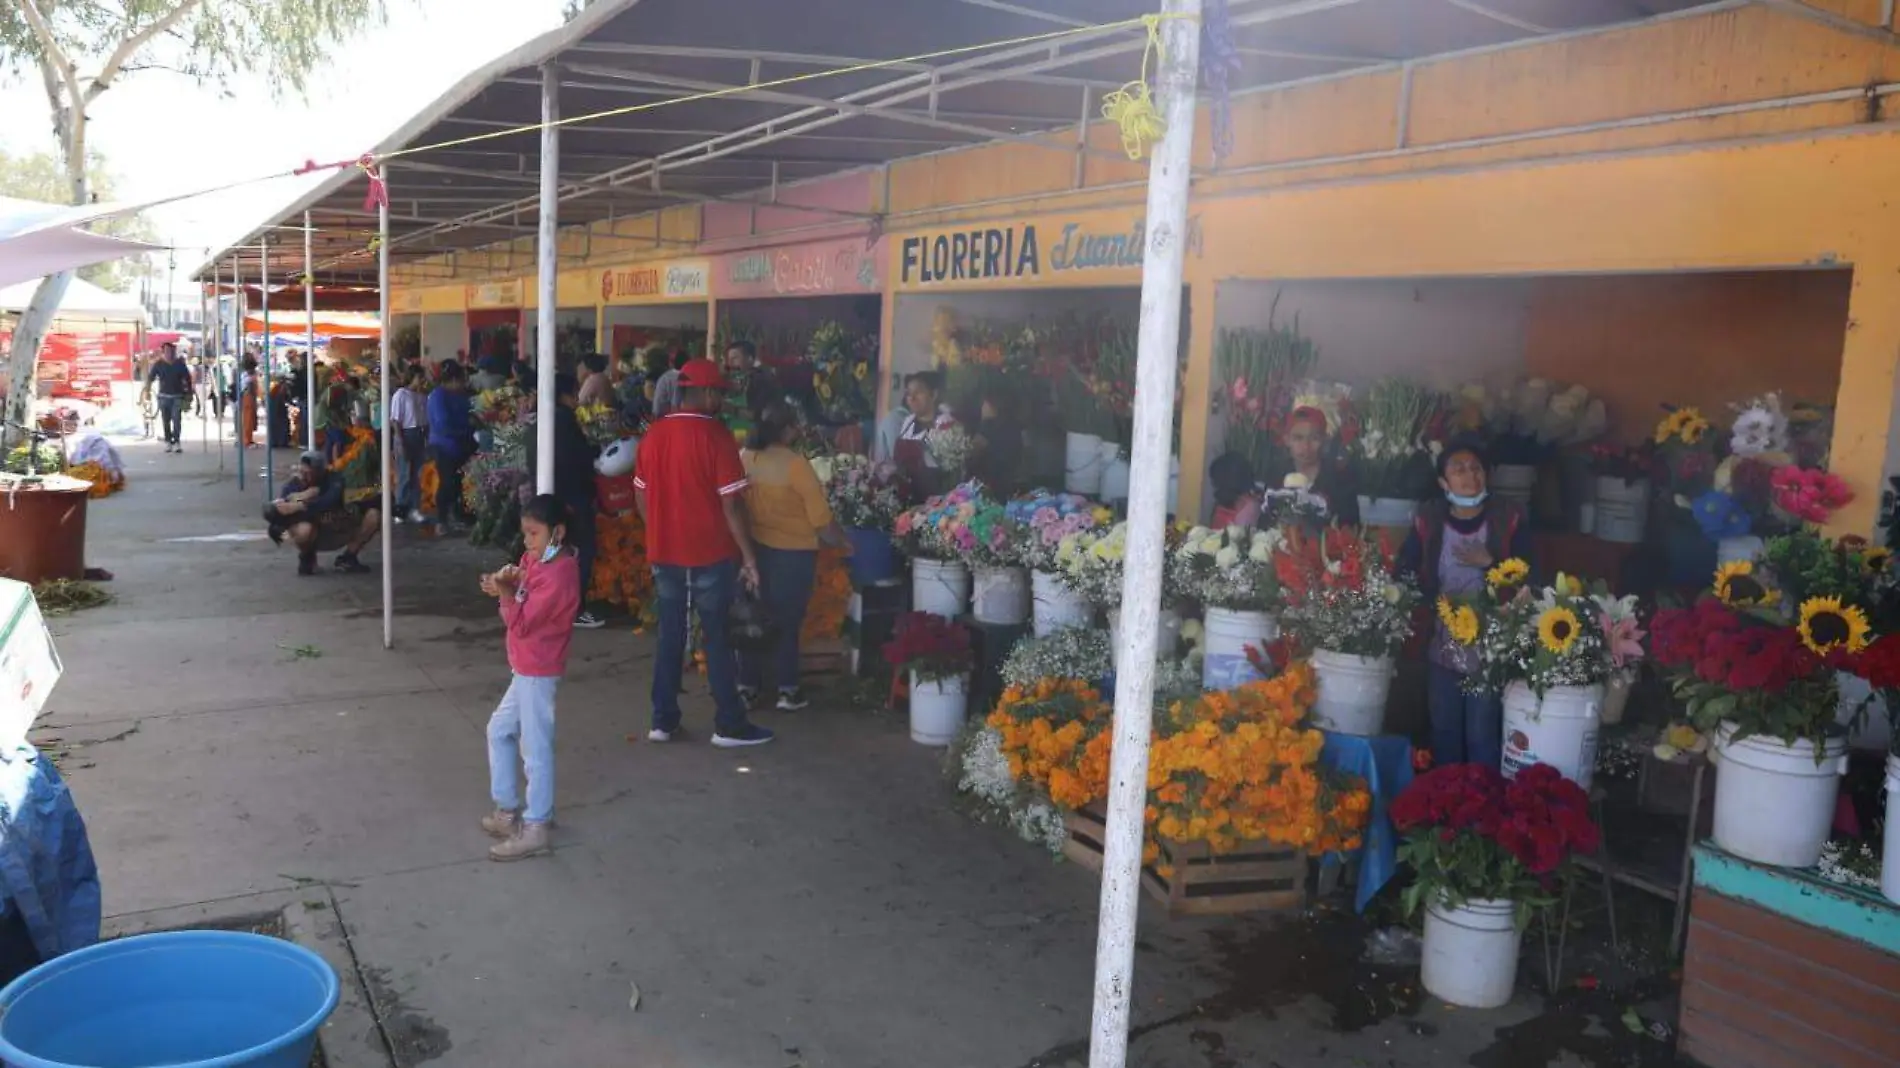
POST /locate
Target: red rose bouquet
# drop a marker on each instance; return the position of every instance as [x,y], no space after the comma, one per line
[1732,659]
[1472,835]
[931,646]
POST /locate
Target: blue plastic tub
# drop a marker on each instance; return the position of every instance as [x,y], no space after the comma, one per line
[183,999]
[873,556]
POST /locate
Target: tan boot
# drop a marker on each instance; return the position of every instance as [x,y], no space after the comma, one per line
[502,823]
[530,841]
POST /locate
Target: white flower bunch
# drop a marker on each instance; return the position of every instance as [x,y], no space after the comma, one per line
[1761,427]
[1231,569]
[1177,680]
[949,446]
[983,775]
[1544,640]
[1073,653]
[1090,563]
[1537,408]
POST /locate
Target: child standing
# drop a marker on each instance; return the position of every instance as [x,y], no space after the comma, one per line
[539,599]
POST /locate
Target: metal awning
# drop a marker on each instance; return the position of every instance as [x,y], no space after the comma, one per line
[742,146]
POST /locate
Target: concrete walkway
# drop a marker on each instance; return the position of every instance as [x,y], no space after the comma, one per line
[234,732]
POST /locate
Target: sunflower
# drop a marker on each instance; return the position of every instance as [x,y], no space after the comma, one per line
[1876,560]
[1737,586]
[1461,622]
[1827,626]
[1509,573]
[1558,628]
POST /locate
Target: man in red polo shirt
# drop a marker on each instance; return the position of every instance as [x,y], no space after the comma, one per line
[689,485]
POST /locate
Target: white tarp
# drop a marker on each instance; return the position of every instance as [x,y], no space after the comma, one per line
[83,301]
[40,239]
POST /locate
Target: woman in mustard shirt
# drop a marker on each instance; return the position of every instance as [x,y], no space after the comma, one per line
[790,517]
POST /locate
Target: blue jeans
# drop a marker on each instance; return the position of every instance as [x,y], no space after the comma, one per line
[522,730]
[785,581]
[1466,728]
[415,443]
[712,590]
[171,418]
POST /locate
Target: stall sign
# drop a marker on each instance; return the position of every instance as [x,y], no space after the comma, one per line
[681,280]
[85,365]
[847,265]
[495,294]
[1040,250]
[405,301]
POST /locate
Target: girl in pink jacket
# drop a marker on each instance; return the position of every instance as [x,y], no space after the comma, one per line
[539,598]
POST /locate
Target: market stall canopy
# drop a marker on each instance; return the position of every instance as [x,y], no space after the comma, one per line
[84,302]
[328,324]
[1015,82]
[38,239]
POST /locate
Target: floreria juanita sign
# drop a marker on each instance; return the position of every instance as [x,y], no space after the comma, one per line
[1089,250]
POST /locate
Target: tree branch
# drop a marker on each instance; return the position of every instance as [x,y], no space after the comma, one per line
[68,121]
[131,45]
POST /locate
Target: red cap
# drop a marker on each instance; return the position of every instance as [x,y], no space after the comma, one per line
[702,374]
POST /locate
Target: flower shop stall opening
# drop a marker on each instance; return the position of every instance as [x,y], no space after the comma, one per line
[1058,363]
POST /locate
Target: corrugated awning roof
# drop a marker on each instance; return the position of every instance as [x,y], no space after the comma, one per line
[623,52]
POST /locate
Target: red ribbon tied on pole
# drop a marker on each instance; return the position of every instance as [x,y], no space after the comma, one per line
[377,195]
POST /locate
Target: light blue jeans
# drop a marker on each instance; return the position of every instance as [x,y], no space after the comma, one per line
[522,731]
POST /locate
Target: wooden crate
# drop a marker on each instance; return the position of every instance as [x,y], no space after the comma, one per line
[831,657]
[1257,877]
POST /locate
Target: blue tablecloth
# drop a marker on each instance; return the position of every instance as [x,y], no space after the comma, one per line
[1385,762]
[47,872]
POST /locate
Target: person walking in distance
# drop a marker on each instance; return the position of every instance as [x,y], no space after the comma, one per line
[689,487]
[409,419]
[173,380]
[538,598]
[451,441]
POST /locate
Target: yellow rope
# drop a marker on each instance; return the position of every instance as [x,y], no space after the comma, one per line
[1132,107]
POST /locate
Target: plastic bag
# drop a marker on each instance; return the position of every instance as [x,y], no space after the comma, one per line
[749,625]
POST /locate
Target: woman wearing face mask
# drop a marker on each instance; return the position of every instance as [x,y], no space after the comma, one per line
[1452,544]
[1319,474]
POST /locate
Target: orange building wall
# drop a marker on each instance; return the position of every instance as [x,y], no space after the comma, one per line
[1699,339]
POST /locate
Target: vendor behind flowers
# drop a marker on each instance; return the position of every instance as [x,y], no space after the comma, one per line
[1315,473]
[1454,543]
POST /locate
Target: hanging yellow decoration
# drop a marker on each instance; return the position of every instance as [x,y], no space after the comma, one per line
[1132,107]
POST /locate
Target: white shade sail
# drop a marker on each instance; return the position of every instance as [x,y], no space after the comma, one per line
[40,239]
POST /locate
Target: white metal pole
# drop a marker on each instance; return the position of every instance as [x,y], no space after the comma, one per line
[548,257]
[202,402]
[310,344]
[1160,341]
[263,298]
[383,453]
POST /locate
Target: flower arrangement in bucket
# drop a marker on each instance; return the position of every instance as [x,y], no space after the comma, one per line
[863,493]
[1397,421]
[1231,574]
[1526,421]
[1551,652]
[1486,853]
[1349,613]
[1766,688]
[1074,653]
[937,655]
[1763,487]
[939,528]
[1047,518]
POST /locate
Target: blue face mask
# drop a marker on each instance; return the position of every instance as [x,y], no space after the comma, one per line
[553,550]
[1459,500]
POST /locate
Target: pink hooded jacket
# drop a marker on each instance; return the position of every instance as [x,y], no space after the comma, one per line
[540,615]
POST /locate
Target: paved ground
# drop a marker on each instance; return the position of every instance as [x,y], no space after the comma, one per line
[234,733]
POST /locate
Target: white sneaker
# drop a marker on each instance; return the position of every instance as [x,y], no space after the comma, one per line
[658,735]
[415,516]
[589,621]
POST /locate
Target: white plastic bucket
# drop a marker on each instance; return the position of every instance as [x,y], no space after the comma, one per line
[1229,633]
[1001,597]
[937,709]
[1514,482]
[1352,692]
[1470,953]
[1559,730]
[1054,606]
[1167,634]
[1115,476]
[1730,550]
[1387,512]
[940,587]
[1082,464]
[1773,802]
[1874,731]
[1890,856]
[1622,511]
